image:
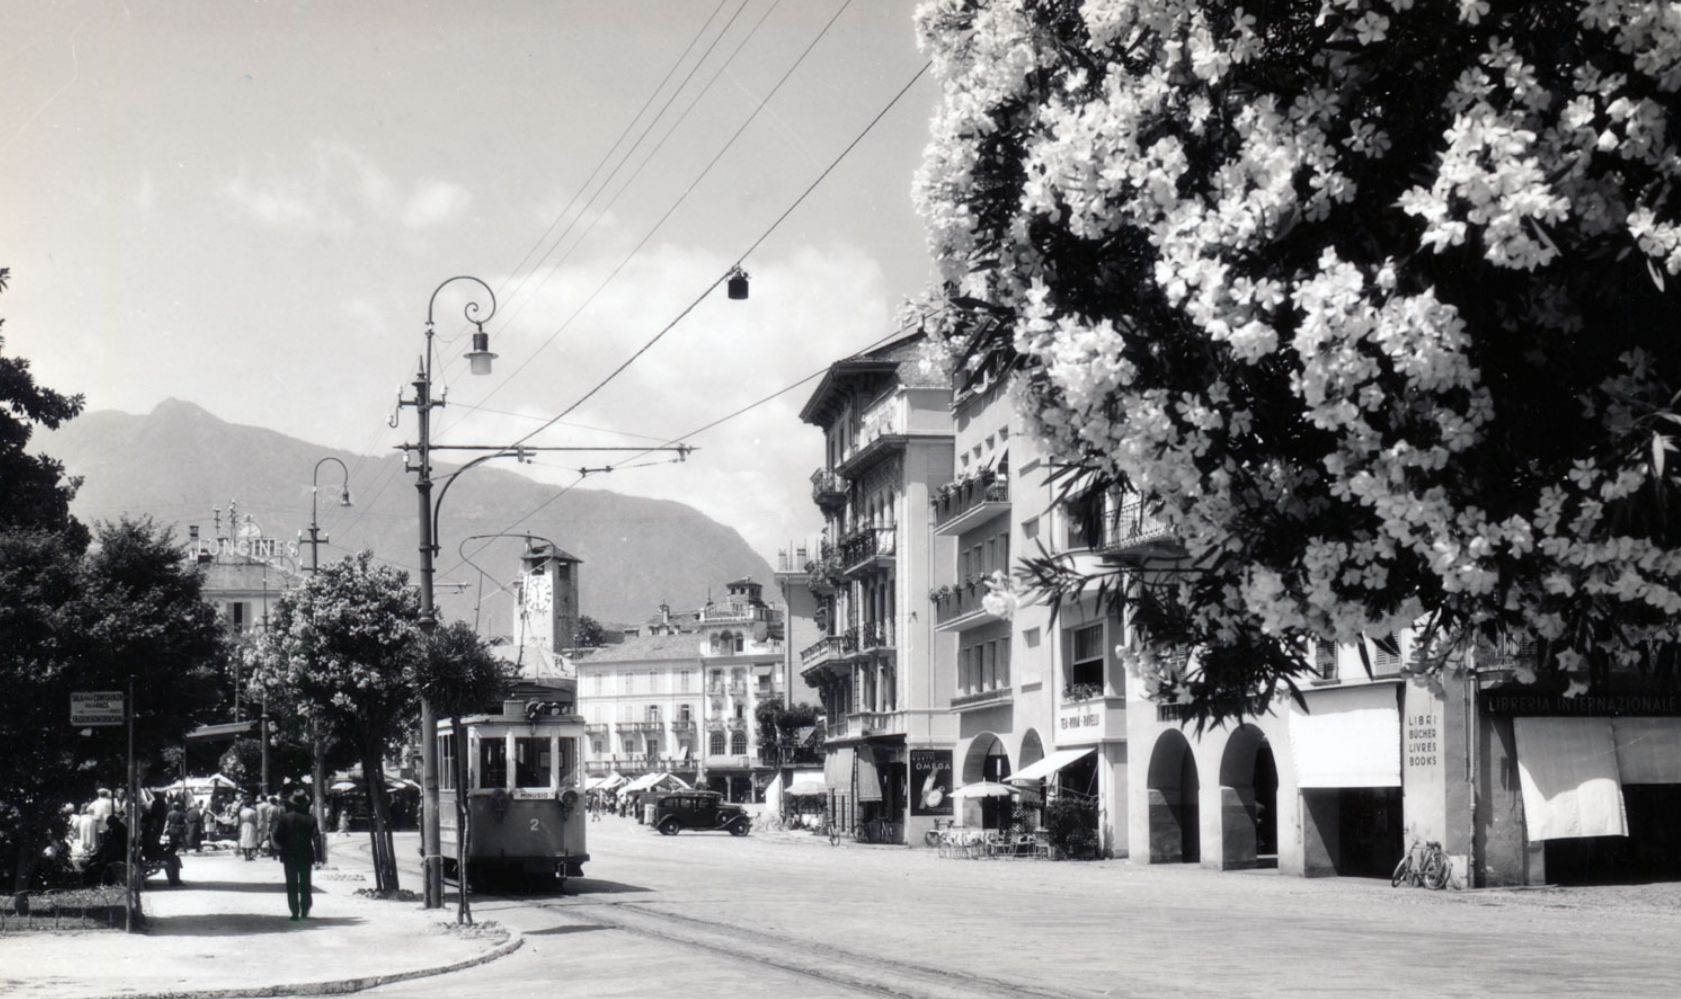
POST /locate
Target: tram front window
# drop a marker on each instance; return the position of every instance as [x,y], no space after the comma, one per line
[493,763]
[531,762]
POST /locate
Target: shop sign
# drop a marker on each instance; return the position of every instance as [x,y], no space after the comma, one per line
[267,549]
[1549,704]
[96,707]
[931,781]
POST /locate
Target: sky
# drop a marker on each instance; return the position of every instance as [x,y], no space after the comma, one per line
[248,205]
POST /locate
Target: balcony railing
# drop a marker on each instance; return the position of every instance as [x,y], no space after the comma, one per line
[736,724]
[683,725]
[738,689]
[876,635]
[595,728]
[840,728]
[714,724]
[964,504]
[628,726]
[824,570]
[828,488]
[953,603]
[864,546]
[828,647]
[981,698]
[872,722]
[1131,529]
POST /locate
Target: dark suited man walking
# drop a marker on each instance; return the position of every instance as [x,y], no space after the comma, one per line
[294,835]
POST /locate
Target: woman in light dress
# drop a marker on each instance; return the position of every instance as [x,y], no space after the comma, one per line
[248,829]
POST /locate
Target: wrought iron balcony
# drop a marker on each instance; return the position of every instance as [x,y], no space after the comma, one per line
[1133,531]
[962,505]
[829,647]
[828,488]
[865,547]
[958,604]
[876,635]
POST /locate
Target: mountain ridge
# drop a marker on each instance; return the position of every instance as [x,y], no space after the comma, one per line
[180,463]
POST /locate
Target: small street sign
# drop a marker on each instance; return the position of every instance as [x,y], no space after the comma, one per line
[96,707]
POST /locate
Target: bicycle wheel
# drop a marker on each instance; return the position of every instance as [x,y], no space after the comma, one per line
[931,838]
[834,834]
[1401,871]
[1437,869]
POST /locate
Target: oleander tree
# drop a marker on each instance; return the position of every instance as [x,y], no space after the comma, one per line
[1367,300]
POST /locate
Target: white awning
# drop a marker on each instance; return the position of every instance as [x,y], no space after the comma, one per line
[1350,737]
[1648,750]
[1567,769]
[1050,764]
[869,779]
[647,781]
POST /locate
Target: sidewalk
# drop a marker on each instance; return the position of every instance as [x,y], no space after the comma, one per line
[227,932]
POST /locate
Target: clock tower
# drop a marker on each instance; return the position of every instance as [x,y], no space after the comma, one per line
[546,618]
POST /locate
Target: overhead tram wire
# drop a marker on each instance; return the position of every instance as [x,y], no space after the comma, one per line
[614,172]
[652,154]
[391,474]
[762,237]
[674,206]
[722,277]
[890,337]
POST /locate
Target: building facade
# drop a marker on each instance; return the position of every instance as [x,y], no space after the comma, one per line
[884,678]
[682,698]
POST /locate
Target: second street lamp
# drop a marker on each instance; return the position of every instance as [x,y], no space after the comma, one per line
[480,358]
[318,763]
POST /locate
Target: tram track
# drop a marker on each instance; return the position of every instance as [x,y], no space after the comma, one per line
[872,974]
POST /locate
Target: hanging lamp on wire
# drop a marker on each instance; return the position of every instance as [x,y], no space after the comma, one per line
[738,283]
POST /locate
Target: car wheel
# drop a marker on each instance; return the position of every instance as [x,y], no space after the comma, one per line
[669,827]
[738,827]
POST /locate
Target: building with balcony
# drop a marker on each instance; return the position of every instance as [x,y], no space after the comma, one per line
[1039,698]
[682,699]
[884,681]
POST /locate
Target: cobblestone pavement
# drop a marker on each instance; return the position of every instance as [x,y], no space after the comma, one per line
[781,914]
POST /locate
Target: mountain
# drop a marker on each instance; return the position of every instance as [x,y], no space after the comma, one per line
[180,463]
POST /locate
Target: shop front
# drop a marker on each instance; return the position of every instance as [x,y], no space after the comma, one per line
[1346,751]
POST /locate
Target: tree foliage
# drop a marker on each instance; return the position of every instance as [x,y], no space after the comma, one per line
[460,675]
[34,491]
[347,643]
[73,621]
[1366,299]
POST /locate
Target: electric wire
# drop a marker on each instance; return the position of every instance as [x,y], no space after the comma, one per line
[667,215]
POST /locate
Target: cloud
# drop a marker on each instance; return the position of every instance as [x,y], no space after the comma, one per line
[338,189]
[808,308]
[434,202]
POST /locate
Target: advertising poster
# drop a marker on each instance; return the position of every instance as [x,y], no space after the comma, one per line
[931,782]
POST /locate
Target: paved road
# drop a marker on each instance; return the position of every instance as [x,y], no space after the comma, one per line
[770,915]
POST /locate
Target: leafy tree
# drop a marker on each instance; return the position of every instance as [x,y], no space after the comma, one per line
[459,674]
[591,635]
[34,491]
[132,607]
[1366,300]
[779,726]
[347,643]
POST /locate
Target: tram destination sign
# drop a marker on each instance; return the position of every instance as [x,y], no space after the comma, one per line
[1553,704]
[96,707]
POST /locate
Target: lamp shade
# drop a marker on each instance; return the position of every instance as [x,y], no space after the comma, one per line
[738,284]
[480,356]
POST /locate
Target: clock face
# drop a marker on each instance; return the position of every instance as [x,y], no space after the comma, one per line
[539,594]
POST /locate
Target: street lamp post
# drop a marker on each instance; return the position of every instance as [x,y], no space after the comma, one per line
[318,764]
[480,358]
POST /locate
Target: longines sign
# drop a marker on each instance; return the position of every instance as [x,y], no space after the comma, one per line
[1530,703]
[264,548]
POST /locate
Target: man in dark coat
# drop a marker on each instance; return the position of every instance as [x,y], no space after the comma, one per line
[294,837]
[195,827]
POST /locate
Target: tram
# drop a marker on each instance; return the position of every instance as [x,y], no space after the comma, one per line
[523,787]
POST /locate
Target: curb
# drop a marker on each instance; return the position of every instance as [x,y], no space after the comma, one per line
[341,986]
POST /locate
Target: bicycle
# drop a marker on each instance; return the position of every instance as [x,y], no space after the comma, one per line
[1425,864]
[932,837]
[870,831]
[833,832]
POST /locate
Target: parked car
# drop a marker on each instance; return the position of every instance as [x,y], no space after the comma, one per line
[680,810]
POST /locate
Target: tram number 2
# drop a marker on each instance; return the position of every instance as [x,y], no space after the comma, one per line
[536,826]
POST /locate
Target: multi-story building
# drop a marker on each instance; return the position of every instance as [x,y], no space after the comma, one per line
[682,699]
[1040,697]
[245,573]
[884,679]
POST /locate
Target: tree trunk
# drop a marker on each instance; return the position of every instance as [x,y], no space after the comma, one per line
[373,779]
[463,829]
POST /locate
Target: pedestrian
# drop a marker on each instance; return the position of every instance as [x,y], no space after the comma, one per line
[294,840]
[195,827]
[90,831]
[265,823]
[248,829]
[102,807]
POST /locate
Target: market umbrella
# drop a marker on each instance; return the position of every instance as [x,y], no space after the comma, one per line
[985,789]
[806,788]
